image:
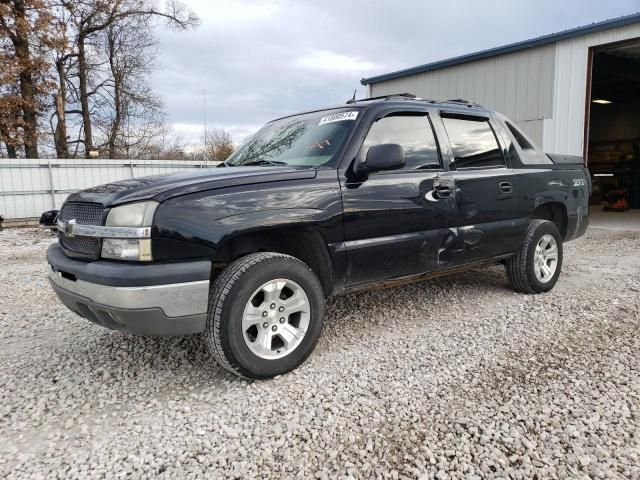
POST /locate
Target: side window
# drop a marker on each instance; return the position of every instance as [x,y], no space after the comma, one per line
[517,134]
[529,154]
[473,143]
[413,132]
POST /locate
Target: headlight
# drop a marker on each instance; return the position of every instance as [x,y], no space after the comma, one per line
[134,215]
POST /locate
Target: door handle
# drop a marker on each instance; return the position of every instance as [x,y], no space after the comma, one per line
[443,191]
[505,187]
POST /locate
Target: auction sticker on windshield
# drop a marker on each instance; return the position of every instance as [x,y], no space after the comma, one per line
[338,117]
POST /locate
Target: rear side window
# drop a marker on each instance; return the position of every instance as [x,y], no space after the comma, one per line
[528,154]
[413,132]
[473,143]
[517,134]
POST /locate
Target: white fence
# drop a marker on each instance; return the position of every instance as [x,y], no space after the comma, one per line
[29,187]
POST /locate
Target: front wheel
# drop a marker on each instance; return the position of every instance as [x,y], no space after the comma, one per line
[536,267]
[265,315]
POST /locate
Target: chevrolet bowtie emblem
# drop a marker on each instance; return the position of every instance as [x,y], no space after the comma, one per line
[68,227]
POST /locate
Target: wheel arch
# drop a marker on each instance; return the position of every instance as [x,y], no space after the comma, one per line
[555,212]
[302,242]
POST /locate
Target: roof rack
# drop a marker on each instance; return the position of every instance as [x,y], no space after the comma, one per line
[461,101]
[408,96]
[411,96]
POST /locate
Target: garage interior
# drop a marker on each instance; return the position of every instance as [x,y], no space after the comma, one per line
[613,149]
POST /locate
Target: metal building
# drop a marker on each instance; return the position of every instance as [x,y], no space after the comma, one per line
[575,92]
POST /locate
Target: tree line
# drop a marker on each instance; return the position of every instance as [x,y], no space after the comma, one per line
[74,80]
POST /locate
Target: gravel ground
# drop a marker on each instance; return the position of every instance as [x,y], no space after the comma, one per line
[454,378]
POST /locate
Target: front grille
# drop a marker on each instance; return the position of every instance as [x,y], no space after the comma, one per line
[83,214]
[82,247]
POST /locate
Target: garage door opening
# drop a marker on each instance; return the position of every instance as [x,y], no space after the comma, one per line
[613,148]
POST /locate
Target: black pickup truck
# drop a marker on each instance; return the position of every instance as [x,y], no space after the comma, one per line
[371,193]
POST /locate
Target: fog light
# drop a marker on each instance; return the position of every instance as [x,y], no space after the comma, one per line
[127,249]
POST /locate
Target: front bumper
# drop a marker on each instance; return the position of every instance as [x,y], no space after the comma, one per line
[156,299]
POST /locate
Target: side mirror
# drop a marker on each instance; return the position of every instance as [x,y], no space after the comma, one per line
[386,156]
[48,220]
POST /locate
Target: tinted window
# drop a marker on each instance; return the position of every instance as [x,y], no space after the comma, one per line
[528,154]
[413,133]
[523,142]
[473,143]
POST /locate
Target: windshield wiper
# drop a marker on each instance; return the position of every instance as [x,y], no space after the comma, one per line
[262,161]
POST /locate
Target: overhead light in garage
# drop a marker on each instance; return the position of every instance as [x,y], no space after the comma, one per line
[601,101]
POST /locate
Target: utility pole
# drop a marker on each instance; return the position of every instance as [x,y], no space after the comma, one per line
[128,135]
[204,122]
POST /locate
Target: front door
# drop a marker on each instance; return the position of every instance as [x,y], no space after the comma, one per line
[393,224]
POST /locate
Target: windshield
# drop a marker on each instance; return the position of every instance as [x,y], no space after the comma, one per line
[309,140]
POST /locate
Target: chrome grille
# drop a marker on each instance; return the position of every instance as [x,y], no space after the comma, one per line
[83,214]
[85,247]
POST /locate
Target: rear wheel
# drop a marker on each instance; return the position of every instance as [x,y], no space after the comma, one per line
[536,267]
[265,315]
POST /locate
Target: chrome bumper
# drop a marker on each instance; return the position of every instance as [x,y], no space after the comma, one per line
[170,309]
[175,300]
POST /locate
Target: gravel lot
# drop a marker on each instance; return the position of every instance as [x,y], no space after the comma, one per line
[454,378]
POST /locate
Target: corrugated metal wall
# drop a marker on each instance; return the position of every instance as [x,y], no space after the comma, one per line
[564,131]
[519,84]
[542,89]
[29,187]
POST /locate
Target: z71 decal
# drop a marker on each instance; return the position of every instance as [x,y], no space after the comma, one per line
[578,182]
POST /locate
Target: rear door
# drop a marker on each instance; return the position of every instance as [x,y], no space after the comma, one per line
[486,219]
[393,227]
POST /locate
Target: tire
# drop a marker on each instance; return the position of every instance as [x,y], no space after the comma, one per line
[245,293]
[525,270]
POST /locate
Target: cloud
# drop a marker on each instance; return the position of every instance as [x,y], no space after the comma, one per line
[335,63]
[257,59]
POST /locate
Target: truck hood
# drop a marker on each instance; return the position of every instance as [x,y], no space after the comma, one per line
[163,187]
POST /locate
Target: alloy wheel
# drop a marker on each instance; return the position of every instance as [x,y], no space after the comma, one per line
[276,318]
[545,258]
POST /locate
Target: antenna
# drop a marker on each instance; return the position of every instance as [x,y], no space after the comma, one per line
[353,99]
[204,124]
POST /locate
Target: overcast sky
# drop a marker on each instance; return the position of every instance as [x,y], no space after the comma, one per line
[257,60]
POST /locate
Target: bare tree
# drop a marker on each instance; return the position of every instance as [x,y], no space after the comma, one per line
[168,146]
[62,60]
[219,144]
[100,53]
[91,18]
[130,114]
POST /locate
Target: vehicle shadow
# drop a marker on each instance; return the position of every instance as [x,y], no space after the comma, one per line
[421,304]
